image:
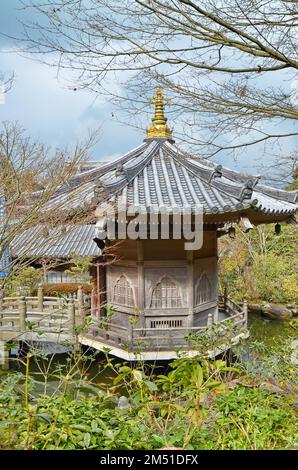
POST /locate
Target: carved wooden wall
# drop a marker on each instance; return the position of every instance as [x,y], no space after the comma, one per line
[174,295]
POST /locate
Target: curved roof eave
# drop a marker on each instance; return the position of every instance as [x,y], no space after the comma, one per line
[158,173]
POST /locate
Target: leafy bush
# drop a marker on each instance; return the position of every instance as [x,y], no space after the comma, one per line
[260,265]
[65,288]
[24,281]
[251,418]
[197,405]
[80,267]
[269,273]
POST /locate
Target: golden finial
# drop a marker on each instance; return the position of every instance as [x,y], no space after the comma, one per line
[159,126]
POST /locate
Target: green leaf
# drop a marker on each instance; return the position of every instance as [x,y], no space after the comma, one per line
[198,376]
[151,385]
[119,378]
[87,439]
[158,439]
[94,426]
[137,374]
[45,417]
[81,427]
[125,370]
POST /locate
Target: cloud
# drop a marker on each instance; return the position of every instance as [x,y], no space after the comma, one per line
[52,112]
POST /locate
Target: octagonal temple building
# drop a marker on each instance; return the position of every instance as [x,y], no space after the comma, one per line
[153,298]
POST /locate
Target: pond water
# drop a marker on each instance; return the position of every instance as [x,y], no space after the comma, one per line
[269,331]
[48,370]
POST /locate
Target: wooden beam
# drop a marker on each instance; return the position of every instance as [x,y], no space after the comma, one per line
[190,286]
[141,281]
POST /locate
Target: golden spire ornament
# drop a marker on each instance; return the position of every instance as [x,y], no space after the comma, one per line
[159,128]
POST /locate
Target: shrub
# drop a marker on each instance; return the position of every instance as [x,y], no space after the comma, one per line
[197,405]
[260,265]
[26,280]
[65,288]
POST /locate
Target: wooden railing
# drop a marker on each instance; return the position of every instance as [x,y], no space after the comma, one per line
[136,338]
[43,317]
[230,306]
[41,314]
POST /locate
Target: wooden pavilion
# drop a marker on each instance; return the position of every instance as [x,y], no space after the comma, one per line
[155,291]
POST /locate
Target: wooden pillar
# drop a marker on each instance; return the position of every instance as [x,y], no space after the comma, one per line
[140,265]
[215,278]
[97,288]
[141,280]
[92,304]
[190,287]
[40,297]
[22,314]
[4,355]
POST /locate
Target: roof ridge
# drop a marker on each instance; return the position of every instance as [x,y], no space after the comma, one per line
[129,174]
[281,194]
[97,172]
[232,189]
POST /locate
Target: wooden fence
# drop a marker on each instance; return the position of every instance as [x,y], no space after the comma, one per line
[41,314]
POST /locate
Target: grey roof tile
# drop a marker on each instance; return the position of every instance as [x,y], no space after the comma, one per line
[59,242]
[160,173]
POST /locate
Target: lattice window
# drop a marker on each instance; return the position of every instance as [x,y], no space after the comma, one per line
[203,290]
[166,294]
[56,277]
[123,293]
[166,323]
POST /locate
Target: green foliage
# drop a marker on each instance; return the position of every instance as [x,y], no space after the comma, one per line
[196,405]
[80,266]
[24,281]
[270,279]
[252,419]
[261,265]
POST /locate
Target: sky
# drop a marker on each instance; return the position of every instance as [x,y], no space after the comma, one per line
[49,109]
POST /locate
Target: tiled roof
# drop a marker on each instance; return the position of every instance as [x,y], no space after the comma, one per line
[159,173]
[57,243]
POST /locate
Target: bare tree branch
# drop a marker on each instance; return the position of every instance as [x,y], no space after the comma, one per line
[216,58]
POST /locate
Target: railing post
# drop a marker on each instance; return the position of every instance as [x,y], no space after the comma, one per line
[22,314]
[92,305]
[4,355]
[60,304]
[72,316]
[40,297]
[210,319]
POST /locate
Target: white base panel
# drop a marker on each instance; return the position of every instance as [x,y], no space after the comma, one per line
[150,355]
